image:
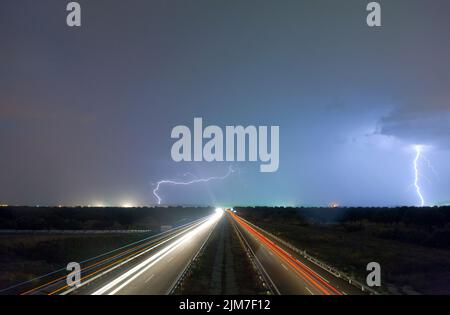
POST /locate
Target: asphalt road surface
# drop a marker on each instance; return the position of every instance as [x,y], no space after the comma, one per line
[288,272]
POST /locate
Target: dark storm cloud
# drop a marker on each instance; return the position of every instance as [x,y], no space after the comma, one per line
[425,121]
[419,125]
[86,114]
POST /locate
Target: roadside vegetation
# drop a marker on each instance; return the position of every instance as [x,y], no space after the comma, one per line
[91,218]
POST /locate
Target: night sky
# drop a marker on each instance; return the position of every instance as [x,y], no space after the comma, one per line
[86,114]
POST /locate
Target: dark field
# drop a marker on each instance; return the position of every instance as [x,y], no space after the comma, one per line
[24,257]
[84,218]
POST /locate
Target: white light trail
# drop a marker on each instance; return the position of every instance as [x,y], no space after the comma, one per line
[126,278]
[219,210]
[190,226]
[190,182]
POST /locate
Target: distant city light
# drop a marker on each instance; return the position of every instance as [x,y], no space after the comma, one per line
[333,205]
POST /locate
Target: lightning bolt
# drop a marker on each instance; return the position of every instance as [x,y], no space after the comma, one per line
[418,149]
[185,183]
[430,166]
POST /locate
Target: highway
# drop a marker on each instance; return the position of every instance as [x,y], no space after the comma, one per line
[154,265]
[150,267]
[285,271]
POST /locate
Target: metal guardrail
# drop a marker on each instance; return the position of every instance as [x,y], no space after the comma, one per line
[262,273]
[337,273]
